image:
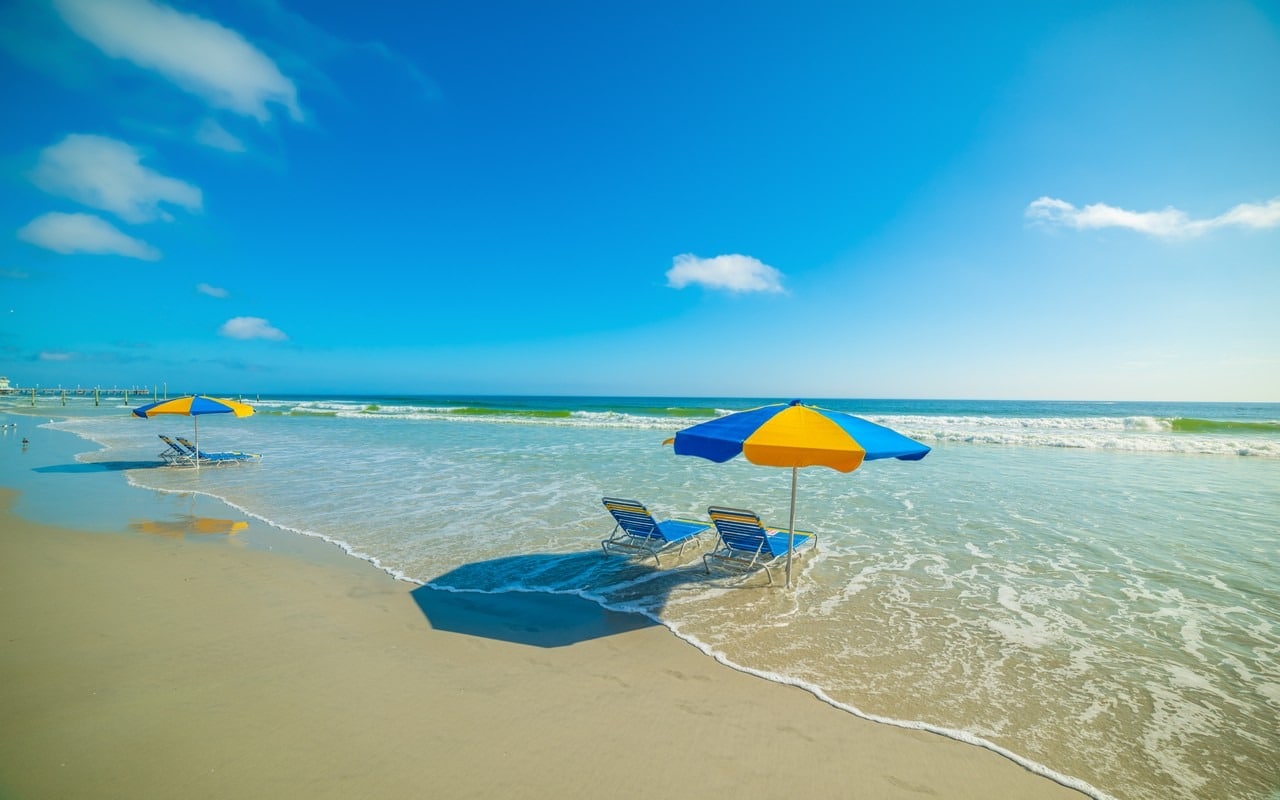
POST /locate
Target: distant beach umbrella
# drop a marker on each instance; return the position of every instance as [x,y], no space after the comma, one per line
[796,435]
[194,406]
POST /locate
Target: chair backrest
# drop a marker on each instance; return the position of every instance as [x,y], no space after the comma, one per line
[632,517]
[190,447]
[171,443]
[740,529]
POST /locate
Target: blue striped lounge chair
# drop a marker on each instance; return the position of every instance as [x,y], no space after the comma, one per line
[637,531]
[217,458]
[175,454]
[744,543]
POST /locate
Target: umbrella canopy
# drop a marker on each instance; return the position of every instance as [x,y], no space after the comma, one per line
[194,406]
[796,435]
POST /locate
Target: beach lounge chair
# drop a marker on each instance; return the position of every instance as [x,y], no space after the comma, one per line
[746,544]
[175,454]
[638,532]
[217,458]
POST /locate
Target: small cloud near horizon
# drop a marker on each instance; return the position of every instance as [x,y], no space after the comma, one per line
[1170,222]
[107,174]
[83,233]
[212,291]
[196,54]
[55,355]
[251,328]
[733,272]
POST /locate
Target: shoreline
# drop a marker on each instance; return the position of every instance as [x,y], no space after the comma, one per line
[599,673]
[190,664]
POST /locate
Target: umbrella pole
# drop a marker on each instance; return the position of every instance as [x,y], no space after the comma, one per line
[196,420]
[791,537]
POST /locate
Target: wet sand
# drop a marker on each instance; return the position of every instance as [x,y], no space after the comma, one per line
[177,662]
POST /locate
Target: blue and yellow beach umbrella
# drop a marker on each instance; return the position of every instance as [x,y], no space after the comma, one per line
[194,406]
[796,435]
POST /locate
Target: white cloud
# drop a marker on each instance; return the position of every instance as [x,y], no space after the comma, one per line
[55,355]
[736,273]
[212,134]
[108,174]
[199,55]
[212,291]
[83,233]
[251,328]
[1170,222]
[1250,215]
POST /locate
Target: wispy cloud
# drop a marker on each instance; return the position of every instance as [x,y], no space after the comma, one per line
[83,233]
[212,291]
[200,56]
[1170,222]
[55,355]
[734,273]
[14,274]
[318,45]
[107,174]
[212,134]
[251,328]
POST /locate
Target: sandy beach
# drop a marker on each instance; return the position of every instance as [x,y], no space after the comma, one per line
[182,665]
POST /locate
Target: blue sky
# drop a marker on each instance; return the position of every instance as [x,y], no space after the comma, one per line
[805,199]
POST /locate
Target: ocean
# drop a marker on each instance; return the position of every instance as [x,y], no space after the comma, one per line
[1092,589]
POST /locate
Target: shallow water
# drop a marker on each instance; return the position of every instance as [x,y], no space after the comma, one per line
[1092,588]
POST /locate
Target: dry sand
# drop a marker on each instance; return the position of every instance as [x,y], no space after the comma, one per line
[183,665]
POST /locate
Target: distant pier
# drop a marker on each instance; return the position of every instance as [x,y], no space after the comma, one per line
[96,393]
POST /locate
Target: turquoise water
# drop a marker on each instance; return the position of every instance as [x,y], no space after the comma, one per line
[1091,588]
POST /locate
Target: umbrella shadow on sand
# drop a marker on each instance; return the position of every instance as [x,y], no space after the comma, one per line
[85,467]
[530,616]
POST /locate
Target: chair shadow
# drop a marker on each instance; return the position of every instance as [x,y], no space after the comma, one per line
[99,466]
[530,616]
